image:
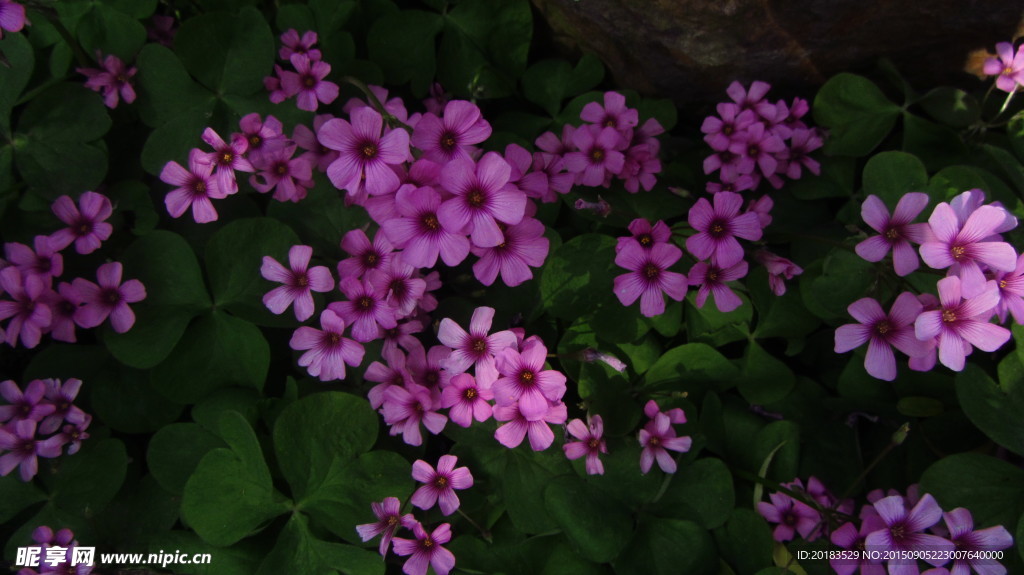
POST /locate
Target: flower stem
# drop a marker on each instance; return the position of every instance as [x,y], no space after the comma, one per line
[483,532]
[897,439]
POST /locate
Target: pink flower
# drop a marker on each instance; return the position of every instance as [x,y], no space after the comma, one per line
[317,154]
[109,298]
[904,531]
[328,350]
[426,550]
[452,136]
[63,304]
[524,247]
[440,485]
[227,158]
[264,136]
[849,537]
[364,155]
[517,427]
[803,142]
[86,223]
[656,437]
[532,183]
[406,407]
[599,155]
[288,177]
[759,146]
[960,323]
[400,285]
[965,246]
[721,130]
[591,443]
[752,99]
[389,517]
[307,82]
[1011,292]
[614,113]
[791,515]
[113,80]
[895,232]
[365,256]
[25,405]
[645,234]
[966,538]
[366,309]
[45,262]
[419,231]
[881,331]
[299,282]
[195,188]
[475,346]
[719,226]
[1007,66]
[12,16]
[779,269]
[28,312]
[648,277]
[524,380]
[293,44]
[711,280]
[482,198]
[23,449]
[466,401]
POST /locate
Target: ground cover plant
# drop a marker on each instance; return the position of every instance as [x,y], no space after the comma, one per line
[380,287]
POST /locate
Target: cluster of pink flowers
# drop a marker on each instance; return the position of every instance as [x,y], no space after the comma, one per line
[754,139]
[39,422]
[27,295]
[305,82]
[1007,66]
[113,80]
[658,437]
[611,144]
[648,254]
[890,522]
[54,553]
[425,550]
[983,280]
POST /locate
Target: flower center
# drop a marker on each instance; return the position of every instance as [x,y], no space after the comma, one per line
[334,338]
[392,520]
[727,129]
[281,169]
[255,141]
[958,252]
[428,542]
[199,188]
[84,228]
[369,151]
[370,260]
[448,141]
[112,296]
[645,240]
[713,275]
[594,443]
[609,122]
[716,228]
[526,377]
[302,280]
[441,482]
[309,81]
[365,303]
[480,345]
[475,198]
[948,316]
[226,158]
[651,271]
[753,151]
[470,393]
[1002,284]
[430,221]
[397,287]
[882,327]
[654,441]
[899,533]
[597,154]
[892,234]
[431,378]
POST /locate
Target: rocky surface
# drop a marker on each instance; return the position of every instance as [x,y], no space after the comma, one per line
[690,50]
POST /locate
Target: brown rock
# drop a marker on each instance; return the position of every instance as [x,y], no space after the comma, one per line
[690,50]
